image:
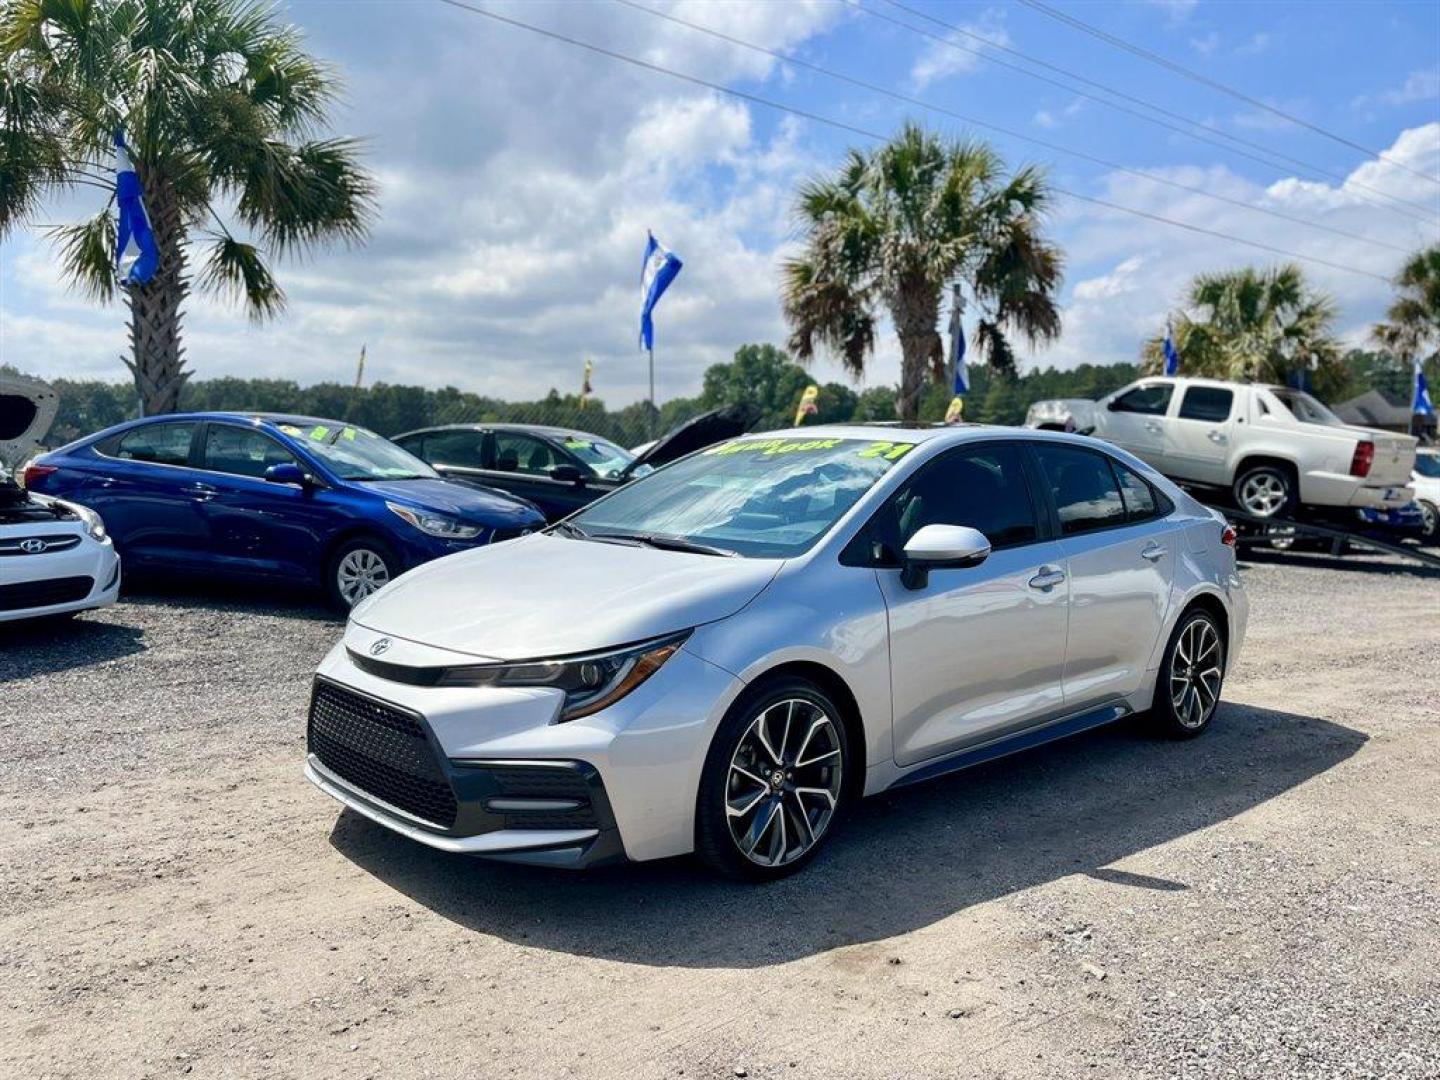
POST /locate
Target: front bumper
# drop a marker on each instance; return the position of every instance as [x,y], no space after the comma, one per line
[618,784]
[81,578]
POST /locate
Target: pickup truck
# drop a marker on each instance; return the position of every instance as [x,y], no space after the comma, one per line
[1277,450]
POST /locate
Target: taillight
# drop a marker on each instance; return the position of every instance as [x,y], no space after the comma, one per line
[1363,458]
[35,472]
[1228,536]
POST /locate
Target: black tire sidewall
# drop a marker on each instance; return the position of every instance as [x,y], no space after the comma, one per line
[1162,706]
[1274,470]
[1431,534]
[355,543]
[713,843]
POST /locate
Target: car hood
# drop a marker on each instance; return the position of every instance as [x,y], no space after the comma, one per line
[27,408]
[542,596]
[696,434]
[468,502]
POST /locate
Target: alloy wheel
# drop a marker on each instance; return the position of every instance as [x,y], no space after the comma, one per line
[1263,494]
[1195,673]
[1430,521]
[783,785]
[360,573]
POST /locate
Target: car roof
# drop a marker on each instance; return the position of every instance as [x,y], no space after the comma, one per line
[533,429]
[921,433]
[295,419]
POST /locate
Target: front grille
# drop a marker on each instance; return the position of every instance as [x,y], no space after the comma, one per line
[37,594]
[382,750]
[17,545]
[527,782]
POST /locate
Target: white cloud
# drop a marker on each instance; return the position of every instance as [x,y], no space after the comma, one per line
[962,50]
[1423,85]
[1206,44]
[1053,118]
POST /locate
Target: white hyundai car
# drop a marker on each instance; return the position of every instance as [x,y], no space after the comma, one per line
[55,558]
[723,656]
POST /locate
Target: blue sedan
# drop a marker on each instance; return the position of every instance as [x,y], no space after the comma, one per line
[286,498]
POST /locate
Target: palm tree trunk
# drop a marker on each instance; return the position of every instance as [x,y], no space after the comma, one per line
[915,310]
[158,359]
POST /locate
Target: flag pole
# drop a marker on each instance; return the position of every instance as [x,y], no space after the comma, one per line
[653,414]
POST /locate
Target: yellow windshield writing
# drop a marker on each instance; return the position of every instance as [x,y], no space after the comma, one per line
[887,451]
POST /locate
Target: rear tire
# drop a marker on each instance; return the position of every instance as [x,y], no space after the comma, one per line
[1191,676]
[358,567]
[776,782]
[1430,522]
[1265,491]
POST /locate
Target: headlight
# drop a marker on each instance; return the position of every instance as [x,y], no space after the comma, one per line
[591,683]
[434,524]
[92,521]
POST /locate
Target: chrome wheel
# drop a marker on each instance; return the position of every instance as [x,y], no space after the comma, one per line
[1430,521]
[360,573]
[1263,494]
[784,782]
[1196,670]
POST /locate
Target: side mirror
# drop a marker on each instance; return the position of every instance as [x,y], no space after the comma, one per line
[568,474]
[938,547]
[1113,405]
[287,472]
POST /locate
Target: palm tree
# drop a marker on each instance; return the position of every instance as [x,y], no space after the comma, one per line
[221,108]
[1254,325]
[1412,321]
[895,226]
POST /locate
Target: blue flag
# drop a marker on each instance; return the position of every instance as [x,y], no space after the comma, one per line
[656,273]
[1172,354]
[1422,405]
[957,351]
[137,257]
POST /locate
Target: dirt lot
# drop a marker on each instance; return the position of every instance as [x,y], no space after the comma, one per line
[1263,902]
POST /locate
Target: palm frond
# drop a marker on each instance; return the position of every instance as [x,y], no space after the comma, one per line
[297,196]
[237,270]
[87,255]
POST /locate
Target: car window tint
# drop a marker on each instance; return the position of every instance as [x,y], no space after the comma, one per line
[982,488]
[242,451]
[1140,504]
[1206,403]
[523,453]
[1083,487]
[460,448]
[161,444]
[1152,400]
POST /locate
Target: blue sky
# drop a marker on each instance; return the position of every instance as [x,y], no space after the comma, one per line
[518,176]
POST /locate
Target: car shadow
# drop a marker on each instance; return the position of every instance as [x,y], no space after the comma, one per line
[45,646]
[904,860]
[243,596]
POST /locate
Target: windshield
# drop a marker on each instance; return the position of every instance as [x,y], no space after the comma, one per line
[1428,465]
[353,453]
[763,498]
[1307,409]
[604,458]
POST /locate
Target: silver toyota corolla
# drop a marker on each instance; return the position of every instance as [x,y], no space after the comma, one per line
[725,655]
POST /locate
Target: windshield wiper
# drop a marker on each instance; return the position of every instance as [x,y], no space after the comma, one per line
[568,529]
[670,543]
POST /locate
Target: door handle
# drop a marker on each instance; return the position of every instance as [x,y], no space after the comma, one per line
[1152,551]
[202,492]
[1153,427]
[1215,437]
[1047,578]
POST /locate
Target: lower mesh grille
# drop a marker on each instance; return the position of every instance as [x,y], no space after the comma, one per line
[518,781]
[36,594]
[381,750]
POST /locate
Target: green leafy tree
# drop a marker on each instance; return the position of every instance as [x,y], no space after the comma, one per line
[893,228]
[1253,325]
[759,375]
[1412,321]
[221,107]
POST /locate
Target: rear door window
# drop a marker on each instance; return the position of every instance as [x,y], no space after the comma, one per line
[1083,486]
[1152,400]
[458,448]
[1210,403]
[158,444]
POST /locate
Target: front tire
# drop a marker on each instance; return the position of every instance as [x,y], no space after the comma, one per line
[1265,491]
[1429,522]
[775,782]
[1192,674]
[357,568]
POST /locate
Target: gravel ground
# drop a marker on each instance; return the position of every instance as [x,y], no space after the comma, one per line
[1263,902]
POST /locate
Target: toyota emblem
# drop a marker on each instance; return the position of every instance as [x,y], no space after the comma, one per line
[33,546]
[380,646]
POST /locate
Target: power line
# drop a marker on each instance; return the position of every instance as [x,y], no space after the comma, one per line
[1056,147]
[863,132]
[1214,84]
[1269,160]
